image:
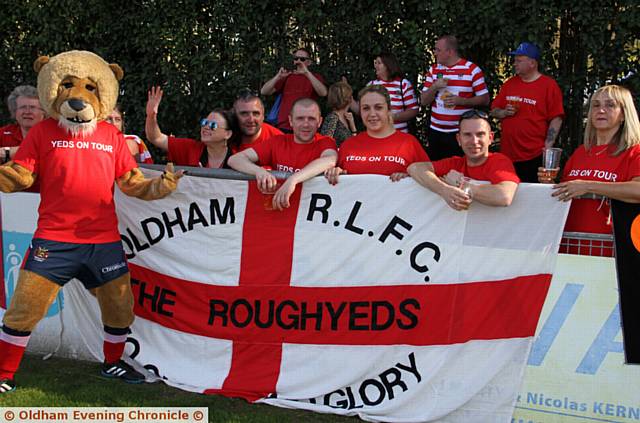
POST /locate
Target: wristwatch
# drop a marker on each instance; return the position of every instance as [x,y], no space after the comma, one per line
[7,154]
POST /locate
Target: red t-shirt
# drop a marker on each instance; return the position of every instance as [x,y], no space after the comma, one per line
[293,87]
[76,177]
[497,168]
[267,132]
[190,152]
[538,102]
[10,135]
[363,154]
[590,215]
[283,154]
[185,151]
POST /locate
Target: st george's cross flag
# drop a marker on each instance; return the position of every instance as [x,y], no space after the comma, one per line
[368,298]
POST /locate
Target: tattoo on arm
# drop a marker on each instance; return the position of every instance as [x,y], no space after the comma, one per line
[551,136]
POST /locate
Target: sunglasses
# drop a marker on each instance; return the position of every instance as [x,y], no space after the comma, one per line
[211,124]
[473,113]
[300,59]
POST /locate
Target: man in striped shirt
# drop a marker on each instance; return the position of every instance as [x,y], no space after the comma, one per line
[452,86]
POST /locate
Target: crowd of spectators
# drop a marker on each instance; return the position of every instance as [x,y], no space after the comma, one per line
[528,108]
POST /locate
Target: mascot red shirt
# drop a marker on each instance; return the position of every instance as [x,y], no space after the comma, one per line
[72,171]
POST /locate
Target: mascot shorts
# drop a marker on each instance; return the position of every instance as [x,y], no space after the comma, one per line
[93,264]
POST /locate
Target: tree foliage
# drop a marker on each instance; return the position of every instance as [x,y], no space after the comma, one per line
[203,52]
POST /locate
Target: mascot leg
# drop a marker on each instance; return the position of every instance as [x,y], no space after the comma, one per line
[116,306]
[29,304]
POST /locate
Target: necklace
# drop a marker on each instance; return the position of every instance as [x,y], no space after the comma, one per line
[591,153]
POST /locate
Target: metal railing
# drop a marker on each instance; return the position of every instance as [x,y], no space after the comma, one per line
[581,243]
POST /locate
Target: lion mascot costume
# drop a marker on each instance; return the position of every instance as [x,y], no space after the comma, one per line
[76,157]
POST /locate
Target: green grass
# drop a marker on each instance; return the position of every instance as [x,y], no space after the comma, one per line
[69,383]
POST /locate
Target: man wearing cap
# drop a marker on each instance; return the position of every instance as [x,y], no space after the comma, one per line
[530,107]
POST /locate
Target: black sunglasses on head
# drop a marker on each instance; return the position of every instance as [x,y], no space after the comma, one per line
[473,113]
[300,59]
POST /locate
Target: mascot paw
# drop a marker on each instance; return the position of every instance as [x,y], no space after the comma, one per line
[170,177]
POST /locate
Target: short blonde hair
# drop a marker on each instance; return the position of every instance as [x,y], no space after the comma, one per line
[628,134]
[339,95]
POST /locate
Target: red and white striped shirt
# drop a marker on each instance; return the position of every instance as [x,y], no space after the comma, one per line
[464,79]
[402,98]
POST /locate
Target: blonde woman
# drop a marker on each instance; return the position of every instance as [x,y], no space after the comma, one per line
[607,164]
[339,123]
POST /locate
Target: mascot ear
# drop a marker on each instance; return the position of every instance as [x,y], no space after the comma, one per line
[40,62]
[117,71]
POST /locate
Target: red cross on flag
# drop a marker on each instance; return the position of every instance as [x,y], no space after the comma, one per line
[370,297]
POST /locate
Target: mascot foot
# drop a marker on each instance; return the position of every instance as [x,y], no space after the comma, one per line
[122,370]
[7,385]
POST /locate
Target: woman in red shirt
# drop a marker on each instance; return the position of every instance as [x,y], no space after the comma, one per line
[381,149]
[606,165]
[211,150]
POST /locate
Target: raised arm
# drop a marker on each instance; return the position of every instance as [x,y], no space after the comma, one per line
[269,87]
[151,128]
[318,86]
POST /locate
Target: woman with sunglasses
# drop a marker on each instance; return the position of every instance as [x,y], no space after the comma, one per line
[404,104]
[606,165]
[381,149]
[210,151]
[293,85]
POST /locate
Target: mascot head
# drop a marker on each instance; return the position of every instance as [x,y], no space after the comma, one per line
[78,88]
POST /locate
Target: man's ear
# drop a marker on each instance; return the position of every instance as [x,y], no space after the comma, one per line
[40,62]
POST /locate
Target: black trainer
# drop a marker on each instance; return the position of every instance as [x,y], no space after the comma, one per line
[7,385]
[123,371]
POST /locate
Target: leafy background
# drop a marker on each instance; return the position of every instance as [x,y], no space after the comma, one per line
[203,52]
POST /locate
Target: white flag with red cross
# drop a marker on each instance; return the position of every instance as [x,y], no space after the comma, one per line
[368,298]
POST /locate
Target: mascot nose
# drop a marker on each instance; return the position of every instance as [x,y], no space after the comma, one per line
[76,104]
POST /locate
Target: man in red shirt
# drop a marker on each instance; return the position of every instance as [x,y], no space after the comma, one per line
[25,108]
[293,85]
[475,137]
[530,107]
[305,153]
[249,112]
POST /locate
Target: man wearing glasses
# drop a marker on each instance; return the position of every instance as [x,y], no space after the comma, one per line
[293,85]
[451,177]
[25,108]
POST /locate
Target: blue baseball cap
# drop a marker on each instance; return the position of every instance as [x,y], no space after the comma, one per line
[527,49]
